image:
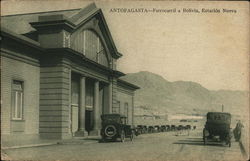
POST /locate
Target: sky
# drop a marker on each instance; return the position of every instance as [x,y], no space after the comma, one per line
[208,48]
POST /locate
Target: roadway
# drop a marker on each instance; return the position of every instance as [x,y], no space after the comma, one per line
[156,146]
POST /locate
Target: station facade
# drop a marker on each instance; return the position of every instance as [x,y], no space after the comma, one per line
[58,75]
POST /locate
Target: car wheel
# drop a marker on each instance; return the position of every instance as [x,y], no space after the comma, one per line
[122,136]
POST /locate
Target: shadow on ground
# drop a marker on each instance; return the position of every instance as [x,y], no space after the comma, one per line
[199,142]
[93,139]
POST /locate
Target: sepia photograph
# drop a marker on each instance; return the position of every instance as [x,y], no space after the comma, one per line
[124,80]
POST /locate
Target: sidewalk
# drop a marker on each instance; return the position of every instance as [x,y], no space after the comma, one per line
[80,140]
[26,143]
[43,142]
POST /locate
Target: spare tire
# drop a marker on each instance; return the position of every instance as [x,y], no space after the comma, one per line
[110,130]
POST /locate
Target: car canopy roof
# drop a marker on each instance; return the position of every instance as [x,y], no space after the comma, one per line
[219,117]
[112,115]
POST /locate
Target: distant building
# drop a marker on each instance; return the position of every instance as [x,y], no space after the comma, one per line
[58,75]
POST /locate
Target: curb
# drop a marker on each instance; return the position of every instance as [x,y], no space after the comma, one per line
[77,142]
[28,146]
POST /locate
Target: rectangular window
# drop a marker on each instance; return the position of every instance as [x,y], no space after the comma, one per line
[75,90]
[17,100]
[89,94]
[126,110]
[116,109]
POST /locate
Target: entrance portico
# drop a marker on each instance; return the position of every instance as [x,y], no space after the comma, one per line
[89,99]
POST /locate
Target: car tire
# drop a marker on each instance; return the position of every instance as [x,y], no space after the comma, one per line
[122,136]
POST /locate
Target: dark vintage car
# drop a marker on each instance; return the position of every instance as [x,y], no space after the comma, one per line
[115,126]
[188,127]
[151,129]
[180,127]
[139,129]
[168,127]
[173,128]
[163,128]
[157,128]
[142,129]
[218,124]
[145,129]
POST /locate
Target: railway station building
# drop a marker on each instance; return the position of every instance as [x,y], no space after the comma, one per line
[58,75]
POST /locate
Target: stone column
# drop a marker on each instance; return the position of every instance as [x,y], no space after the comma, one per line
[96,129]
[110,97]
[132,106]
[81,129]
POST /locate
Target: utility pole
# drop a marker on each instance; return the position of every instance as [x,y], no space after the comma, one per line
[222,107]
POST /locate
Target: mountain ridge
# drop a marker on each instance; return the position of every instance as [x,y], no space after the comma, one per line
[160,95]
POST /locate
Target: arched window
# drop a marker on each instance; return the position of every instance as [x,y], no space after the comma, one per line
[90,44]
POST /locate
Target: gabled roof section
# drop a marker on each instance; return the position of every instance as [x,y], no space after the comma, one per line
[21,23]
[86,14]
[83,14]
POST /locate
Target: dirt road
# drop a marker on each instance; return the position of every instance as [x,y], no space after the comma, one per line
[157,146]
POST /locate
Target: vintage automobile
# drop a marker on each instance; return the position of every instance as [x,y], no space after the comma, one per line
[217,124]
[145,129]
[168,127]
[183,120]
[173,128]
[188,127]
[151,129]
[139,129]
[163,128]
[180,127]
[157,128]
[115,126]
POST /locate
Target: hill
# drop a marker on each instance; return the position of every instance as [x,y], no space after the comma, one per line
[158,96]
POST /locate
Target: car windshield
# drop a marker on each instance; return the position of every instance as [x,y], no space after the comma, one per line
[111,119]
[123,120]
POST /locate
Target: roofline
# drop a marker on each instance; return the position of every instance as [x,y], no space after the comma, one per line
[219,113]
[109,34]
[114,73]
[128,84]
[73,26]
[40,12]
[20,38]
[29,42]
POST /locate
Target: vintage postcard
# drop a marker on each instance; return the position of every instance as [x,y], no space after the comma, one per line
[124,80]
